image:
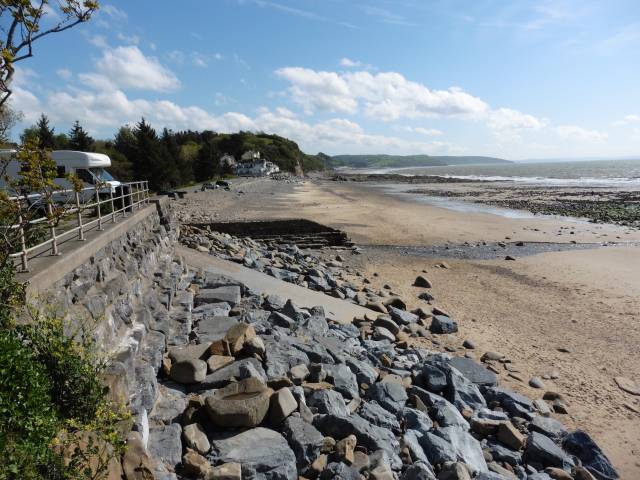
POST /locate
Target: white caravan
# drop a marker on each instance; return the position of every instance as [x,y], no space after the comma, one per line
[88,166]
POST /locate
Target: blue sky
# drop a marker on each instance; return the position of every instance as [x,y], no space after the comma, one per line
[515,79]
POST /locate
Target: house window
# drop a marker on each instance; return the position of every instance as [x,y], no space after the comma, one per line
[61,171]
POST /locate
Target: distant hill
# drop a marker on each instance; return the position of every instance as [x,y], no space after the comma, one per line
[399,161]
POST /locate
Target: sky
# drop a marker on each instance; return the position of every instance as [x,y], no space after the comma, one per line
[513,79]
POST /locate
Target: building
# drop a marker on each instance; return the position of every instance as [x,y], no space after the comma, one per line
[251,165]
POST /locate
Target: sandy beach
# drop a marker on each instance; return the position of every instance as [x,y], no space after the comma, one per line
[574,314]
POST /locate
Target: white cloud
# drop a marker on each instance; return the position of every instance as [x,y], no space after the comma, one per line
[130,39]
[99,41]
[574,132]
[386,96]
[114,12]
[508,124]
[128,67]
[428,132]
[199,60]
[349,63]
[627,120]
[64,73]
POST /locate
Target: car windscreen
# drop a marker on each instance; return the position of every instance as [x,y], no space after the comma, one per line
[102,175]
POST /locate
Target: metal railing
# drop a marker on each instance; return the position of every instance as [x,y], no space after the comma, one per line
[73,218]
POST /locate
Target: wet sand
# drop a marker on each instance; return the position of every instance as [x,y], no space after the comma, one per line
[584,301]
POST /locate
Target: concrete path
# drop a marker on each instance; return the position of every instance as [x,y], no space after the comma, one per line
[335,309]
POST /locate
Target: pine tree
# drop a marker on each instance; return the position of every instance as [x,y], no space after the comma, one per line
[45,133]
[79,139]
[206,165]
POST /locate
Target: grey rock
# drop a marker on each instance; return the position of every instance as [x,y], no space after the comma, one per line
[264,454]
[379,416]
[304,439]
[411,440]
[419,471]
[206,310]
[416,420]
[391,396]
[501,453]
[146,388]
[536,382]
[463,393]
[473,371]
[550,427]
[214,328]
[364,372]
[164,444]
[543,451]
[228,294]
[512,402]
[342,379]
[443,324]
[466,447]
[170,404]
[581,445]
[370,436]
[402,316]
[444,412]
[328,402]
[437,449]
[434,375]
[339,471]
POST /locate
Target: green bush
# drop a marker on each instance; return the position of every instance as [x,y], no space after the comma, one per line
[28,416]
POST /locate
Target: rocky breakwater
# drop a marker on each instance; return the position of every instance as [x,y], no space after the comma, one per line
[253,387]
[299,266]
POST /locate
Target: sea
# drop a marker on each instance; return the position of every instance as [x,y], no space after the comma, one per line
[593,173]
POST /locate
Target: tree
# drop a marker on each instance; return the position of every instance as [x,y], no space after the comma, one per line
[21,19]
[206,165]
[46,138]
[79,139]
[8,119]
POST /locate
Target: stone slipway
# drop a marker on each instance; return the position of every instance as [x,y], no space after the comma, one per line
[335,309]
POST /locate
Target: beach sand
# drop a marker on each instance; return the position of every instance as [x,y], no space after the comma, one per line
[583,301]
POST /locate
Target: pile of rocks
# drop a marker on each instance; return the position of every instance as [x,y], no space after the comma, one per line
[301,267]
[254,387]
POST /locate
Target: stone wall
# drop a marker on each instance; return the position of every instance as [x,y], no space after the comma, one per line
[122,296]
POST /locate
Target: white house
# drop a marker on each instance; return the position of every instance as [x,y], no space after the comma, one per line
[251,165]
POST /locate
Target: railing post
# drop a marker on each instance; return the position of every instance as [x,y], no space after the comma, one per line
[52,230]
[98,208]
[79,216]
[113,207]
[23,242]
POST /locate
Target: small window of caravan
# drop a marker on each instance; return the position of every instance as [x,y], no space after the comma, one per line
[61,171]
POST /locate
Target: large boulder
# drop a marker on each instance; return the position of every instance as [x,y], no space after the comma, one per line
[165,445]
[581,445]
[304,438]
[328,402]
[466,447]
[390,395]
[188,371]
[240,404]
[541,450]
[264,454]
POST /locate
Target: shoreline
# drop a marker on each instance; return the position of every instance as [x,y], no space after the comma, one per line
[602,204]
